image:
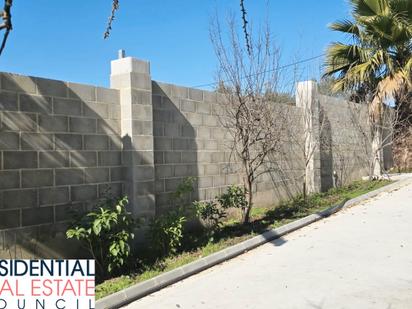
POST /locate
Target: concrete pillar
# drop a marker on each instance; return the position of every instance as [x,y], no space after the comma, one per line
[307,100]
[132,77]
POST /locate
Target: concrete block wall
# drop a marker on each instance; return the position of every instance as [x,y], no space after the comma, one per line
[344,151]
[62,145]
[60,149]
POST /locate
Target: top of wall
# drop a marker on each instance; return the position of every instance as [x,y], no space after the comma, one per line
[57,88]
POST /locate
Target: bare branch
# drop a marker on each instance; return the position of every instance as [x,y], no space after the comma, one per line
[115,7]
[7,24]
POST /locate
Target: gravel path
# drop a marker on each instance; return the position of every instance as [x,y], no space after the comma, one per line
[359,258]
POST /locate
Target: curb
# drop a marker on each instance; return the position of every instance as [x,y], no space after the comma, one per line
[145,288]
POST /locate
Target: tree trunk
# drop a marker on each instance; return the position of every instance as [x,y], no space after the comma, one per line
[377,153]
[246,217]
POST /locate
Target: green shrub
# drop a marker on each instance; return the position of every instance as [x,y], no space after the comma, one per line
[106,232]
[210,214]
[234,197]
[166,231]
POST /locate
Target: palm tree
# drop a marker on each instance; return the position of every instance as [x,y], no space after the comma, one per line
[378,61]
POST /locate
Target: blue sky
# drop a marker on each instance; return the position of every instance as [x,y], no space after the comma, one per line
[63,39]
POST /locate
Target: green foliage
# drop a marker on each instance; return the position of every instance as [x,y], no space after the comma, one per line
[106,232]
[166,231]
[234,197]
[211,214]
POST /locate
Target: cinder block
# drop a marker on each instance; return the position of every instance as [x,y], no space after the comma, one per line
[171,157]
[163,116]
[114,111]
[96,142]
[110,158]
[143,142]
[54,196]
[84,193]
[51,87]
[96,175]
[37,141]
[108,126]
[82,92]
[182,170]
[144,188]
[159,186]
[143,173]
[219,181]
[35,104]
[19,159]
[141,81]
[141,97]
[203,132]
[172,184]
[212,169]
[163,171]
[38,215]
[161,88]
[19,198]
[117,174]
[188,106]
[179,92]
[158,129]
[9,141]
[53,123]
[211,121]
[189,157]
[19,122]
[158,157]
[69,176]
[96,110]
[37,178]
[204,157]
[180,144]
[8,101]
[18,83]
[205,182]
[66,212]
[68,107]
[142,157]
[108,95]
[195,94]
[218,157]
[9,179]
[83,158]
[211,145]
[172,129]
[9,219]
[194,119]
[83,125]
[209,96]
[142,127]
[113,189]
[142,112]
[115,143]
[188,131]
[203,107]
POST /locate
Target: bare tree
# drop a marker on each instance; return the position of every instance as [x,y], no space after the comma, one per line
[7,24]
[248,82]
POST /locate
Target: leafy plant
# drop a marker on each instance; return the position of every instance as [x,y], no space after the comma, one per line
[234,197]
[166,231]
[211,215]
[106,233]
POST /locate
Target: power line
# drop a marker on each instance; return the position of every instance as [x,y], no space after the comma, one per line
[264,72]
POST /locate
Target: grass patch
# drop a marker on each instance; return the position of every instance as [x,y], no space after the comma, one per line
[196,245]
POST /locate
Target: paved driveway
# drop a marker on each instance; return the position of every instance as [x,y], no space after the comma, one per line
[360,258]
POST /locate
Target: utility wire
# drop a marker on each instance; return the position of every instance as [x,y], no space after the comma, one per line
[264,72]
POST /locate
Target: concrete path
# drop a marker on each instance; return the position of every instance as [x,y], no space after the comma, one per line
[359,258]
